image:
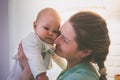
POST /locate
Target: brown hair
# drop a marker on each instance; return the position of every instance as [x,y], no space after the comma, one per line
[92,33]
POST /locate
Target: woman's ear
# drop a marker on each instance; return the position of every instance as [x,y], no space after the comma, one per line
[86,52]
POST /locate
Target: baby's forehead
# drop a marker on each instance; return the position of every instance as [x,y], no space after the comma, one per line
[48,12]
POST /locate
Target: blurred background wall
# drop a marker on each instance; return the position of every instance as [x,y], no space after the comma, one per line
[4,39]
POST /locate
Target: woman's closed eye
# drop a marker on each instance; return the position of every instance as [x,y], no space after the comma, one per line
[65,39]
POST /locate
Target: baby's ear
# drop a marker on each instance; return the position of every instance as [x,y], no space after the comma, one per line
[86,52]
[34,25]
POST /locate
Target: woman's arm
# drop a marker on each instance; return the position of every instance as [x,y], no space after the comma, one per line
[26,74]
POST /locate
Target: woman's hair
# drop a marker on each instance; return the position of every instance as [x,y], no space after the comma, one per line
[92,33]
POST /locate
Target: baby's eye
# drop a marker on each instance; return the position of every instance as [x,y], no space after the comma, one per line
[57,32]
[46,28]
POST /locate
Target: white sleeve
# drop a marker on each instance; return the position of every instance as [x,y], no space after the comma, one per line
[31,46]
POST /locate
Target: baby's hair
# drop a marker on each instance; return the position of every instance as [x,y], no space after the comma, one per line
[48,12]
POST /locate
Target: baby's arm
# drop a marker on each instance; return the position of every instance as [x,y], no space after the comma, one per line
[61,62]
[27,74]
[32,49]
[35,61]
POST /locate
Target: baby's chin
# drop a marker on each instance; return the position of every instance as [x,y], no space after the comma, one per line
[48,42]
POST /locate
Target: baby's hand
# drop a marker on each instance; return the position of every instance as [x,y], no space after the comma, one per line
[52,49]
[42,76]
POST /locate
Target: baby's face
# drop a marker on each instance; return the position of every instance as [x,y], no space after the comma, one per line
[47,28]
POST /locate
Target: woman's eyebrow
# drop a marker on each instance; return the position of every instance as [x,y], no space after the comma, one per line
[65,37]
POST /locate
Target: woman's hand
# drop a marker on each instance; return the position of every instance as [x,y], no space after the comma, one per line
[22,58]
[26,72]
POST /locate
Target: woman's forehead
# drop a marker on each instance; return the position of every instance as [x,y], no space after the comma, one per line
[67,30]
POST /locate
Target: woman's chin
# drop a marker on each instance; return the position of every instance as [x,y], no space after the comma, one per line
[57,52]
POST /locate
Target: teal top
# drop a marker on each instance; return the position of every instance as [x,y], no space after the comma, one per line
[83,71]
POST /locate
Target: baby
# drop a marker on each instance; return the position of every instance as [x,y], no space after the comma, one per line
[39,46]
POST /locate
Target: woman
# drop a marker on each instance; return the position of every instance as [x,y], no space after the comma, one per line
[83,40]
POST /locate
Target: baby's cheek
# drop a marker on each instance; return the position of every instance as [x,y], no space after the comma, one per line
[55,36]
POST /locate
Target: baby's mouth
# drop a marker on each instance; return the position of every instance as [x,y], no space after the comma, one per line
[50,39]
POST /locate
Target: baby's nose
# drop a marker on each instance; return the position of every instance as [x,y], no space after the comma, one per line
[50,32]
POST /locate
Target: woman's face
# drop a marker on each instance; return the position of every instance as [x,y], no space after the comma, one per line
[66,45]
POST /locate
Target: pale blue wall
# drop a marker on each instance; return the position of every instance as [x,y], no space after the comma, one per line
[4,40]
